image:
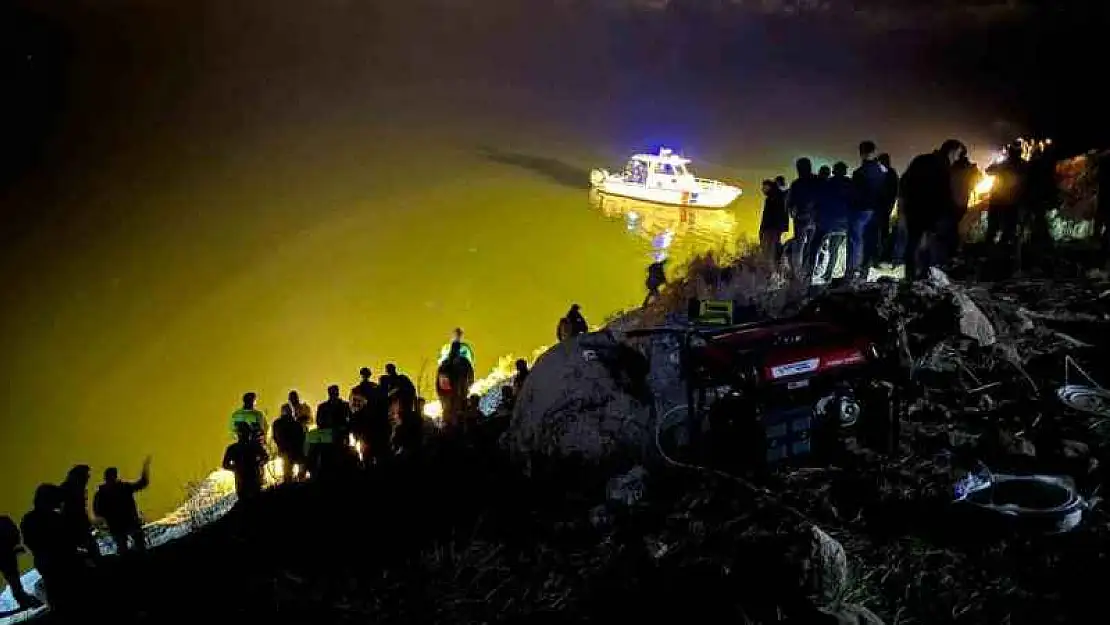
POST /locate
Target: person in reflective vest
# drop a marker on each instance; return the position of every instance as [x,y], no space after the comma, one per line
[252,417]
[465,350]
[454,377]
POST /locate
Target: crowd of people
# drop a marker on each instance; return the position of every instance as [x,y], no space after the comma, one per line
[378,422]
[60,534]
[932,197]
[382,421]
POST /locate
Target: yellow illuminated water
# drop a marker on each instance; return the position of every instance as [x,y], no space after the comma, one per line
[268,196]
[286,265]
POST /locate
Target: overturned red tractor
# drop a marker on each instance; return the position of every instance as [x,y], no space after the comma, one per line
[786,391]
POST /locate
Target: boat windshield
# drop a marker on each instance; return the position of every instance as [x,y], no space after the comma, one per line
[676,170]
[665,169]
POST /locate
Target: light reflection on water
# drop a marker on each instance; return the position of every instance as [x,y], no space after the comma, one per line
[671,232]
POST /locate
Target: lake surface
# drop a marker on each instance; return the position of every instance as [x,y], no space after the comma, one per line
[240,197]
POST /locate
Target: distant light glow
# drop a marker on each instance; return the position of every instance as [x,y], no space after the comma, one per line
[985,184]
[433,410]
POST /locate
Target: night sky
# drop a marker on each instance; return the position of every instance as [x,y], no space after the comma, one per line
[204,198]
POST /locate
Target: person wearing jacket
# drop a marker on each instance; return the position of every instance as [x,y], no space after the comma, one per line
[834,206]
[927,203]
[801,206]
[115,503]
[57,557]
[465,349]
[289,434]
[868,185]
[334,412]
[881,238]
[774,221]
[245,458]
[249,415]
[75,508]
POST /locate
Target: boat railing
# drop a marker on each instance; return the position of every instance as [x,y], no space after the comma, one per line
[708,182]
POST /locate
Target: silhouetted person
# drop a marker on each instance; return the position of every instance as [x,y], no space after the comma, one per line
[774,221]
[927,203]
[869,184]
[1042,195]
[398,388]
[454,378]
[115,503]
[289,435]
[245,458]
[409,435]
[327,452]
[834,205]
[334,413]
[578,323]
[11,545]
[824,173]
[75,508]
[656,279]
[464,349]
[1004,205]
[965,175]
[472,415]
[520,376]
[56,555]
[801,205]
[572,324]
[365,387]
[880,236]
[301,411]
[251,416]
[373,431]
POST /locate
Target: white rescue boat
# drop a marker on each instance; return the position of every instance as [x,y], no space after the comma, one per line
[664,178]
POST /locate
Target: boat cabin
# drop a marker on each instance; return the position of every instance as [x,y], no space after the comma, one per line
[664,170]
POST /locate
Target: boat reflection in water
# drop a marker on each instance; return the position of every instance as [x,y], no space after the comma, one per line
[674,232]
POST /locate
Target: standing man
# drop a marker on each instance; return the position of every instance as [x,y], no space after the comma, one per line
[868,184]
[335,414]
[465,349]
[245,458]
[300,410]
[882,238]
[251,416]
[927,203]
[801,206]
[115,503]
[775,221]
[289,435]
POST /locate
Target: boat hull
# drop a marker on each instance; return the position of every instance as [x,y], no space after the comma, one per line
[714,196]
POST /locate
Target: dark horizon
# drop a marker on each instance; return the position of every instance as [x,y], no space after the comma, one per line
[1025,72]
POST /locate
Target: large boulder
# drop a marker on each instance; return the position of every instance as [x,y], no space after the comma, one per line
[972,322]
[586,398]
